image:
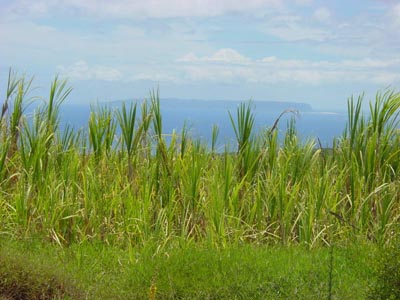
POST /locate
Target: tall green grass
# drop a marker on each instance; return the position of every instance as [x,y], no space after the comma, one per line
[34,270]
[125,181]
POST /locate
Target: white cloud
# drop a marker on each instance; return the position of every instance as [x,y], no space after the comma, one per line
[303,2]
[27,42]
[268,59]
[371,63]
[228,55]
[80,70]
[322,14]
[386,78]
[297,32]
[225,55]
[396,10]
[395,14]
[148,8]
[156,76]
[362,47]
[189,58]
[272,70]
[130,32]
[294,28]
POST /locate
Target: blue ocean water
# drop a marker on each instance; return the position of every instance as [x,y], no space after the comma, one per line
[200,116]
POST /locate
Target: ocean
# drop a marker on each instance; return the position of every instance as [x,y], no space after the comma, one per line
[200,116]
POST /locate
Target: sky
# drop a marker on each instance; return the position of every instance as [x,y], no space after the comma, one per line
[318,52]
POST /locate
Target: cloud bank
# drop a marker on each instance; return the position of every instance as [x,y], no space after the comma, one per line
[148,8]
[228,65]
[81,70]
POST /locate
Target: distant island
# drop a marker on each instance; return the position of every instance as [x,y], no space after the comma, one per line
[231,105]
[271,106]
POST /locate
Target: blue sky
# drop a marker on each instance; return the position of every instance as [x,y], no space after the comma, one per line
[319,52]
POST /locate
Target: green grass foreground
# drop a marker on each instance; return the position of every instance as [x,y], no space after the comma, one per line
[123,210]
[90,271]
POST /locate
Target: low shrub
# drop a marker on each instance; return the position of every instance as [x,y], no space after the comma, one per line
[387,284]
